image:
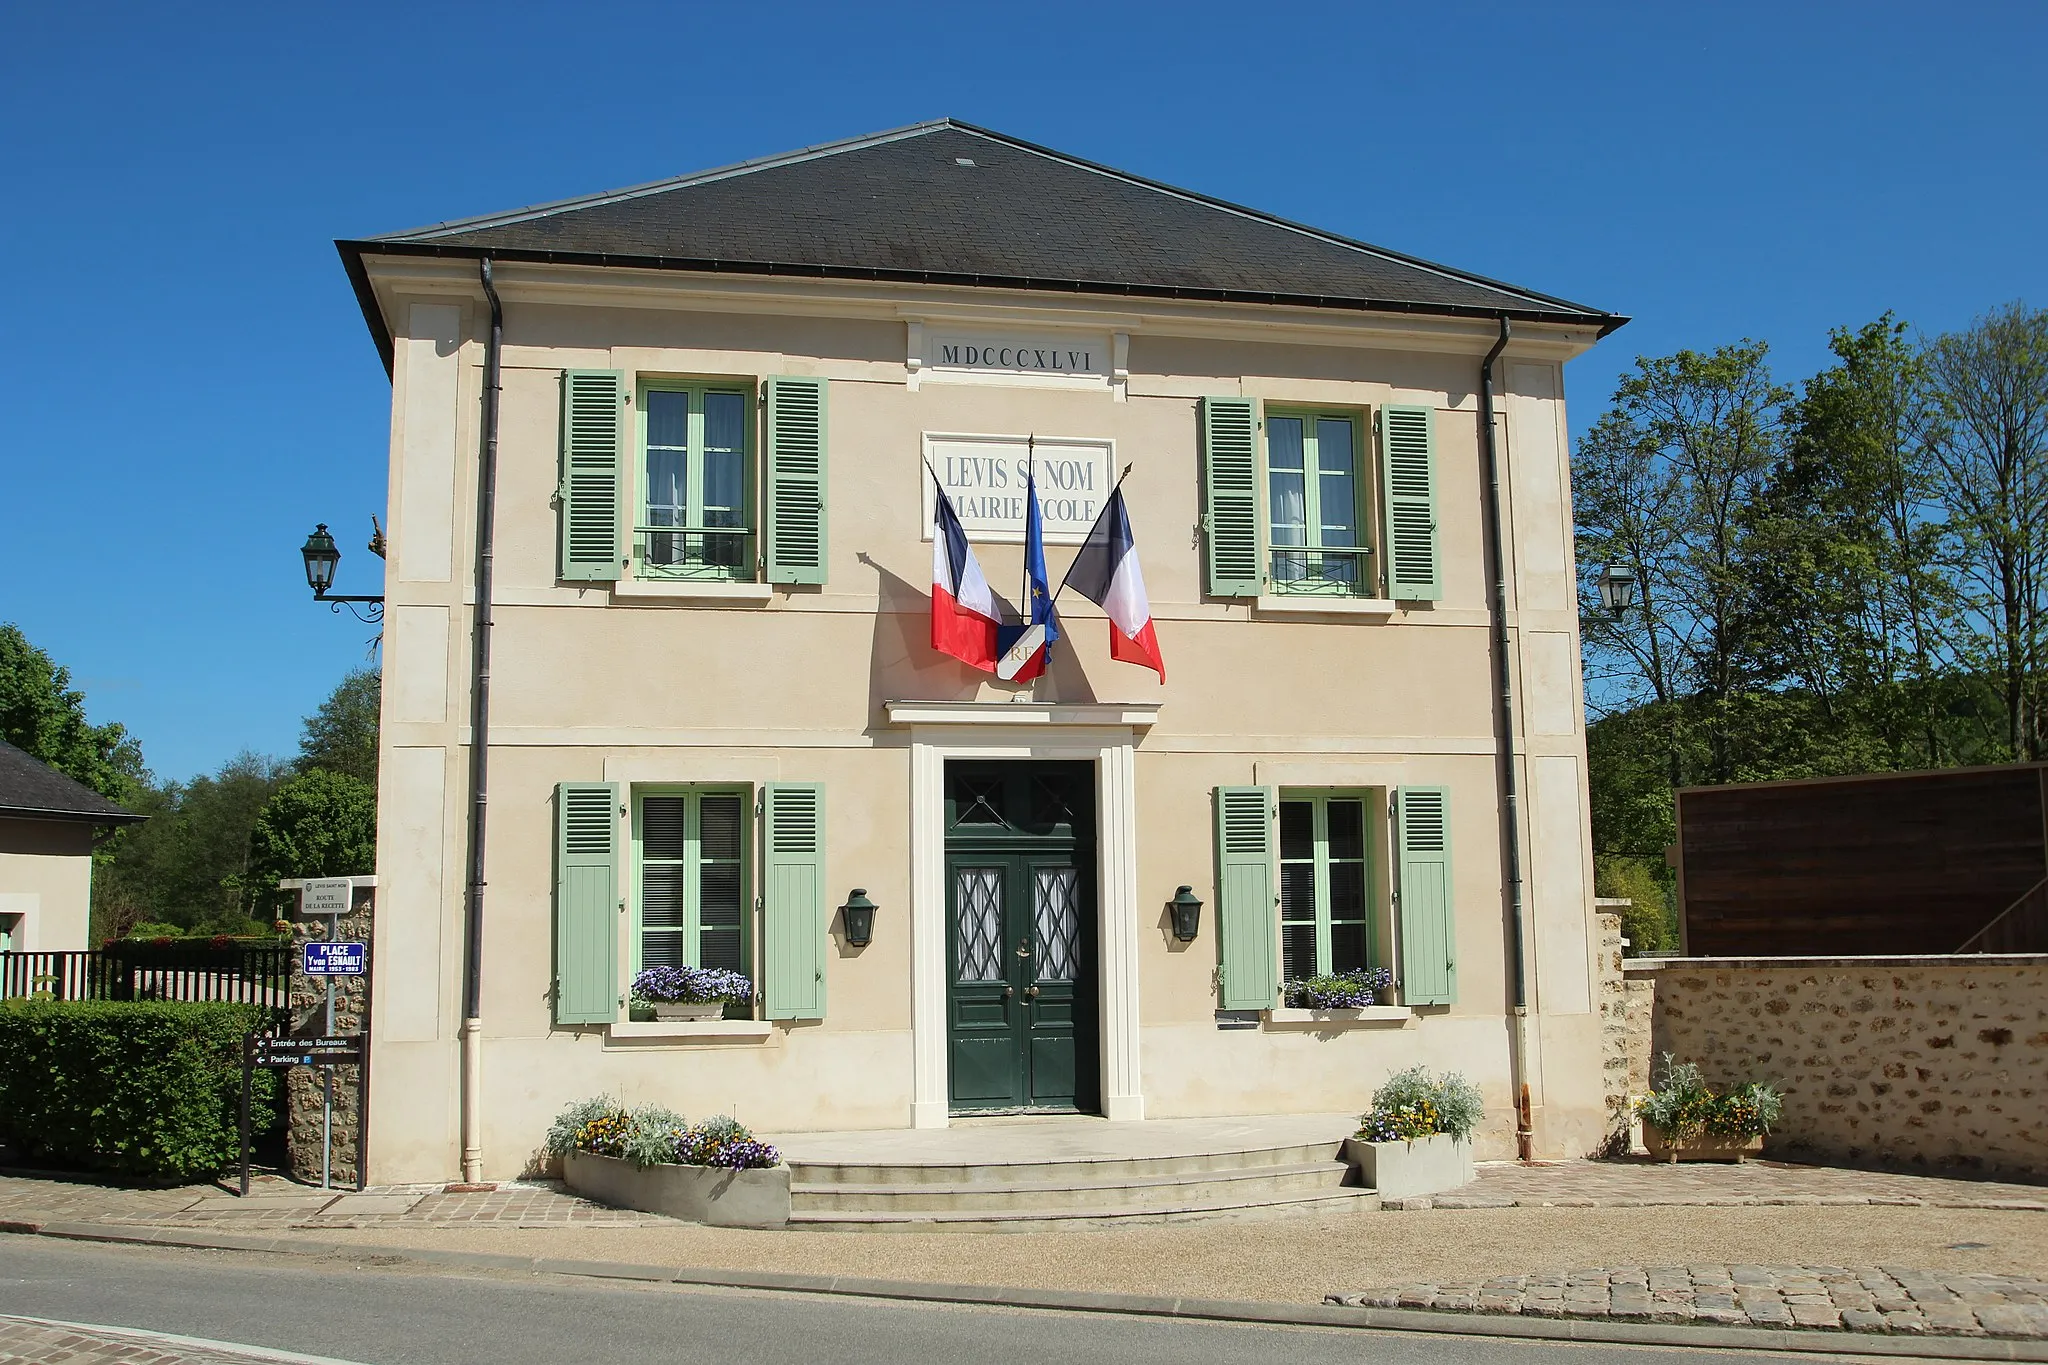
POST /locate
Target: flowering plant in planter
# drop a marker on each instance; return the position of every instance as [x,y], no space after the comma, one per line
[1338,991]
[1413,1104]
[690,985]
[1683,1106]
[653,1135]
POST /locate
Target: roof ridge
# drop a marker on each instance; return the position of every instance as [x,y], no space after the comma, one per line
[674,182]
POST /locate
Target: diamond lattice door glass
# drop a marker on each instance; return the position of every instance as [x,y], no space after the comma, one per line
[1056,919]
[978,921]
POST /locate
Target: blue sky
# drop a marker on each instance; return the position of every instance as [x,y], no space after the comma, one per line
[186,385]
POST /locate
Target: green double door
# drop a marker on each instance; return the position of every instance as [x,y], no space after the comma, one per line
[1021,937]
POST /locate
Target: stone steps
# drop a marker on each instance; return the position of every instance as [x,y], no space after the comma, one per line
[1025,1220]
[1071,1191]
[1194,1161]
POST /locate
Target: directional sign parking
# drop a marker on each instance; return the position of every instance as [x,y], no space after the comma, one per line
[335,959]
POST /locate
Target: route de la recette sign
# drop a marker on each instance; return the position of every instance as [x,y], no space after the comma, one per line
[985,476]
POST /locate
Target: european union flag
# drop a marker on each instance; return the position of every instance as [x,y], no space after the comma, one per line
[1025,647]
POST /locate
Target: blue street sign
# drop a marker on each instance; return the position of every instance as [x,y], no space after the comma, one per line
[335,959]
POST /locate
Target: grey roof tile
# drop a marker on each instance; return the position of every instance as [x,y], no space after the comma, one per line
[947,202]
[32,788]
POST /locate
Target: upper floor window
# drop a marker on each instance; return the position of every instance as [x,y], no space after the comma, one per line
[1301,500]
[697,479]
[1317,505]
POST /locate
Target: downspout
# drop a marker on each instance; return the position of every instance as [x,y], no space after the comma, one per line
[479,756]
[1510,787]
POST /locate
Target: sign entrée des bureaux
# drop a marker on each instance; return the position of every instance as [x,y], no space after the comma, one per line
[985,476]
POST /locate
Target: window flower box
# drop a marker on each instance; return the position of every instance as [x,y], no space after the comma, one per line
[1403,1170]
[689,992]
[688,1009]
[717,1195]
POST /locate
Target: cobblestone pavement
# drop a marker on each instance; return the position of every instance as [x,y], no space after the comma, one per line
[275,1204]
[1630,1183]
[34,1343]
[1893,1299]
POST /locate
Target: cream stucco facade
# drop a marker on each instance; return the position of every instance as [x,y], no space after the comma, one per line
[643,683]
[45,885]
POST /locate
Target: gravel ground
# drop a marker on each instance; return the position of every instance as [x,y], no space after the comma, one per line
[1300,1258]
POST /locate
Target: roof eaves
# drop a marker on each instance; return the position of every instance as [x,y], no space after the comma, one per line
[1542,311]
[112,816]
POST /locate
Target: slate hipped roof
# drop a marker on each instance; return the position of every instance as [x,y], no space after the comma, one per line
[31,789]
[948,203]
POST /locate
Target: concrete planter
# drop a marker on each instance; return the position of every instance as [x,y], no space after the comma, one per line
[1701,1146]
[689,1009]
[698,1194]
[1401,1170]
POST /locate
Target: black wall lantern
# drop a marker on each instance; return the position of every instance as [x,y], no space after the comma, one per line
[1187,914]
[858,915]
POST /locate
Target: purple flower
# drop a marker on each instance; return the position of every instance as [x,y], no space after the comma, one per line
[691,985]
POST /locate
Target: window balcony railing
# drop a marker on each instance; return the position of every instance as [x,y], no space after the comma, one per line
[1315,572]
[709,553]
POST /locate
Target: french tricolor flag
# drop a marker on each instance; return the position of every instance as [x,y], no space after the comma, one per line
[1106,573]
[964,614]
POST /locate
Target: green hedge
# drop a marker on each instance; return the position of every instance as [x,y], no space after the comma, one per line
[151,1089]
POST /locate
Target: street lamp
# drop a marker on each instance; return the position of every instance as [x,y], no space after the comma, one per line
[1617,589]
[322,555]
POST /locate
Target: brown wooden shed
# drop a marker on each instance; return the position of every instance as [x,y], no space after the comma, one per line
[1954,860]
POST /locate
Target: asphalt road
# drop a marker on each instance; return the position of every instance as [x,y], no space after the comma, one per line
[388,1315]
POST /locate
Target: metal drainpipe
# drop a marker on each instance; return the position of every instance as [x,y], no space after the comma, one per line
[1510,788]
[479,756]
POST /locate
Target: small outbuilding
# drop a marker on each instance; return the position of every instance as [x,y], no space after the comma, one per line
[47,827]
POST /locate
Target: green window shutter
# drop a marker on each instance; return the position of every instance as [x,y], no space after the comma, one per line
[1429,949]
[586,903]
[1408,471]
[1244,892]
[1230,488]
[794,519]
[793,901]
[593,444]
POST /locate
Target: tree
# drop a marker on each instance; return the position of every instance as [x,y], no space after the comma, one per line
[1992,384]
[341,736]
[1666,482]
[1852,548]
[322,823]
[44,716]
[189,865]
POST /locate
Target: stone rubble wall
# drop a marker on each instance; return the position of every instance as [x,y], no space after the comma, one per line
[309,1017]
[1625,1003]
[1937,1063]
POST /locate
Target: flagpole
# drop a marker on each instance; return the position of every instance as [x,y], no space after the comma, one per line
[1091,530]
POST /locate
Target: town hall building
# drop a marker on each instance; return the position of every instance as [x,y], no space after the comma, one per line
[660,686]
